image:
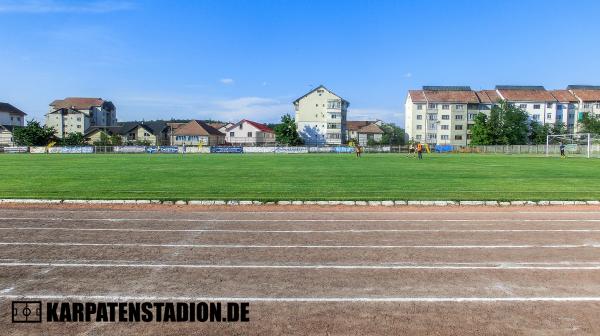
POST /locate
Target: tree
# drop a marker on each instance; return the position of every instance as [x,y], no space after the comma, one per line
[287,133]
[116,140]
[515,124]
[480,132]
[392,134]
[590,124]
[73,139]
[495,127]
[559,128]
[538,133]
[33,134]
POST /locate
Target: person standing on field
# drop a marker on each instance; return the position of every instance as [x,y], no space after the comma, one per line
[420,150]
[562,150]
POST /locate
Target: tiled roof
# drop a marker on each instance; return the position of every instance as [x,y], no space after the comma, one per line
[6,107]
[197,127]
[417,96]
[451,96]
[261,127]
[317,88]
[563,96]
[587,95]
[488,96]
[527,95]
[77,103]
[363,126]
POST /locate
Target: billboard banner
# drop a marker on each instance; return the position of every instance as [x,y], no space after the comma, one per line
[259,149]
[343,149]
[71,150]
[291,150]
[16,149]
[129,149]
[443,148]
[37,150]
[162,149]
[226,149]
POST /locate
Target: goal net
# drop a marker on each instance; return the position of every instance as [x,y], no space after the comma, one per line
[575,144]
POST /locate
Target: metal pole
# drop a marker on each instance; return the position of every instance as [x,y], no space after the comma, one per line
[589,145]
[547,143]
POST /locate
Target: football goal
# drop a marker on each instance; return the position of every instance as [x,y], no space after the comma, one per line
[575,144]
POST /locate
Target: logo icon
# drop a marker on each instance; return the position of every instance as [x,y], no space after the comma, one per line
[27,311]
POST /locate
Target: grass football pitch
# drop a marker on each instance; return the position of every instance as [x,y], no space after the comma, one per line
[269,177]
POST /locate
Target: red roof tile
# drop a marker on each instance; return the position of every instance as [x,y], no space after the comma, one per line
[77,103]
[417,96]
[587,95]
[526,95]
[261,127]
[564,96]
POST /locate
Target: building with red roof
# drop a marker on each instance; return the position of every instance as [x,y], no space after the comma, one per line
[249,133]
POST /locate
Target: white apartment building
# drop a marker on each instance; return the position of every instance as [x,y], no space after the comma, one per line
[444,115]
[10,117]
[73,114]
[321,117]
[247,132]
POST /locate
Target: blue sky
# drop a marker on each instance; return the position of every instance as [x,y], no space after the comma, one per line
[229,60]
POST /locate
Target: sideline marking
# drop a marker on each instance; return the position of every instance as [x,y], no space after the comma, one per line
[450,266]
[295,231]
[304,246]
[120,298]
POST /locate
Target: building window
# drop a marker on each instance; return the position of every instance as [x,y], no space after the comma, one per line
[78,126]
[523,106]
[549,116]
[445,107]
[571,115]
[432,106]
[598,105]
[418,137]
[471,116]
[334,104]
[458,117]
[78,118]
[458,127]
[146,134]
[458,137]
[432,116]
[334,116]
[586,105]
[445,117]
[536,117]
[536,106]
[232,134]
[249,134]
[419,127]
[432,136]
[445,127]
[419,107]
[444,137]
[12,118]
[469,126]
[549,105]
[459,107]
[419,117]
[559,106]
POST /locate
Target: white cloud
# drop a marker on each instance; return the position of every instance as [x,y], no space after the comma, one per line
[407,75]
[384,114]
[259,109]
[226,81]
[55,6]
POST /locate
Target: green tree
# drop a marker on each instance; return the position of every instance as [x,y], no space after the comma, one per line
[559,128]
[590,124]
[538,132]
[515,124]
[287,133]
[392,134]
[33,134]
[480,132]
[116,140]
[73,139]
[495,127]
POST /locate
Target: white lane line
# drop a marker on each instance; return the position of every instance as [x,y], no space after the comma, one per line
[120,298]
[293,220]
[295,231]
[314,267]
[237,246]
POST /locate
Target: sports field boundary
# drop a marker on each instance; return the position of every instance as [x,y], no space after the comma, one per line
[311,203]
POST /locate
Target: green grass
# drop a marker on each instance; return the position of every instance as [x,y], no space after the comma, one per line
[298,177]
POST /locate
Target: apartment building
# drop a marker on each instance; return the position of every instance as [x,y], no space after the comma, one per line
[444,115]
[75,114]
[321,117]
[10,117]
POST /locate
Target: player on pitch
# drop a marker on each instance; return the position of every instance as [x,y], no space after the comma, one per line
[562,150]
[420,150]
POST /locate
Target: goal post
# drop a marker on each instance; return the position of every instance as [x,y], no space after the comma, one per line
[575,144]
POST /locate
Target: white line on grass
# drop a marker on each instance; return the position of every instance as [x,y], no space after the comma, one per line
[119,298]
[237,246]
[295,231]
[293,220]
[475,266]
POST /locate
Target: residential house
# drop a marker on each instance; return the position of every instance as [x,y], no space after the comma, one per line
[74,114]
[364,131]
[10,117]
[249,133]
[154,133]
[321,117]
[197,132]
[220,126]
